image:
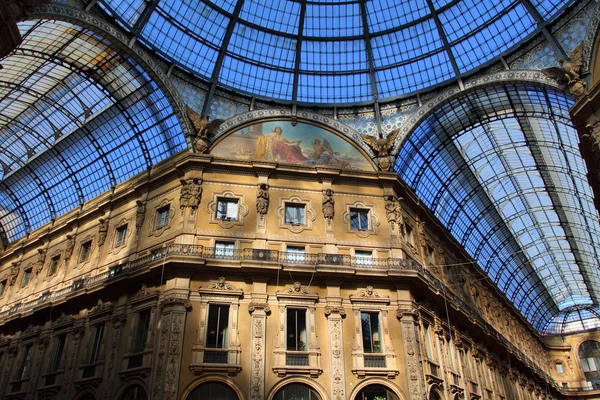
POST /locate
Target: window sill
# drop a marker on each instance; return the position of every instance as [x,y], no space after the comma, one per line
[313,371]
[230,369]
[364,372]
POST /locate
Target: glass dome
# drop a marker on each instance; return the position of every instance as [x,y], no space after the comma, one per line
[328,51]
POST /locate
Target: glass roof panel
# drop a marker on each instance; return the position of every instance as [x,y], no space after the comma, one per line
[500,168]
[401,38]
[77,116]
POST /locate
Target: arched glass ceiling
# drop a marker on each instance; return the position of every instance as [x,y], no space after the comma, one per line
[77,116]
[574,319]
[332,51]
[501,169]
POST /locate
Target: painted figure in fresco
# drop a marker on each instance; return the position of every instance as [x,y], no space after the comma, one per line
[274,147]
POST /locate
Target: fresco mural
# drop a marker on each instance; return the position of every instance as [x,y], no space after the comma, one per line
[279,141]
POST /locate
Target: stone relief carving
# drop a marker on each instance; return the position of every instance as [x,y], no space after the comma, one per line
[221,284]
[328,205]
[257,358]
[140,214]
[14,273]
[262,199]
[41,259]
[70,247]
[102,231]
[202,130]
[393,211]
[368,293]
[189,197]
[337,358]
[296,288]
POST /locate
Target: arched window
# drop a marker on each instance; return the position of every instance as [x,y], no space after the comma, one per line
[296,391]
[376,392]
[589,354]
[135,392]
[212,391]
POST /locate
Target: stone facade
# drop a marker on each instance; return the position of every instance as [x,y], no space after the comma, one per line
[340,310]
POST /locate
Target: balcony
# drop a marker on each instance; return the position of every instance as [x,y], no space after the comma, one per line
[374,361]
[215,356]
[297,358]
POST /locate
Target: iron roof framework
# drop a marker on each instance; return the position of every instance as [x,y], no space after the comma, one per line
[78,115]
[333,51]
[501,169]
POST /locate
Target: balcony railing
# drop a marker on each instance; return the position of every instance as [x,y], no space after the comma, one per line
[216,356]
[296,358]
[372,361]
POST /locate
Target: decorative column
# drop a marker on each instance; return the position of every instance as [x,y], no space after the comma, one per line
[118,320]
[170,343]
[70,370]
[412,354]
[335,313]
[259,308]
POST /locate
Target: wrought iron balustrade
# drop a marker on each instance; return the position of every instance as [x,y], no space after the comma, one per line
[296,358]
[372,361]
[215,356]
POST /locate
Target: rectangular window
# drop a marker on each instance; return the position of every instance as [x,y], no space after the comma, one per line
[359,219]
[294,214]
[296,329]
[370,332]
[559,368]
[224,249]
[430,255]
[121,234]
[218,324]
[363,258]
[53,265]
[26,277]
[2,287]
[410,238]
[86,248]
[227,209]
[25,360]
[296,254]
[141,331]
[58,353]
[162,216]
[97,343]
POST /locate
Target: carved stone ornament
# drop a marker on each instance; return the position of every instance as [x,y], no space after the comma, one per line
[145,292]
[368,293]
[220,284]
[262,199]
[333,310]
[382,148]
[100,307]
[393,211]
[14,273]
[64,319]
[407,312]
[328,205]
[202,129]
[30,330]
[175,300]
[297,291]
[568,72]
[41,259]
[70,246]
[102,231]
[140,214]
[189,197]
[255,306]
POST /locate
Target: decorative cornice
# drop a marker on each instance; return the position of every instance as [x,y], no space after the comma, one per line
[257,306]
[369,294]
[221,285]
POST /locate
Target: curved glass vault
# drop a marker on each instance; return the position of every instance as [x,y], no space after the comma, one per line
[332,51]
[501,169]
[77,117]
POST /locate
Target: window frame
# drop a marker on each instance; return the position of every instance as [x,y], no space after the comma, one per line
[227,201]
[218,293]
[297,219]
[121,238]
[359,207]
[359,212]
[224,249]
[297,297]
[223,197]
[85,251]
[163,215]
[369,300]
[27,274]
[54,263]
[299,203]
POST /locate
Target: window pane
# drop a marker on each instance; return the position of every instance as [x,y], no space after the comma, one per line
[218,323]
[98,333]
[141,332]
[296,329]
[370,332]
[294,213]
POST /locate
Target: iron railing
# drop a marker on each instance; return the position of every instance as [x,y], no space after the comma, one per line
[296,358]
[374,361]
[216,356]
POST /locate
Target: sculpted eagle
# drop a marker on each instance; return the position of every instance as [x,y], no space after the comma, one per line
[202,128]
[569,70]
[381,147]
